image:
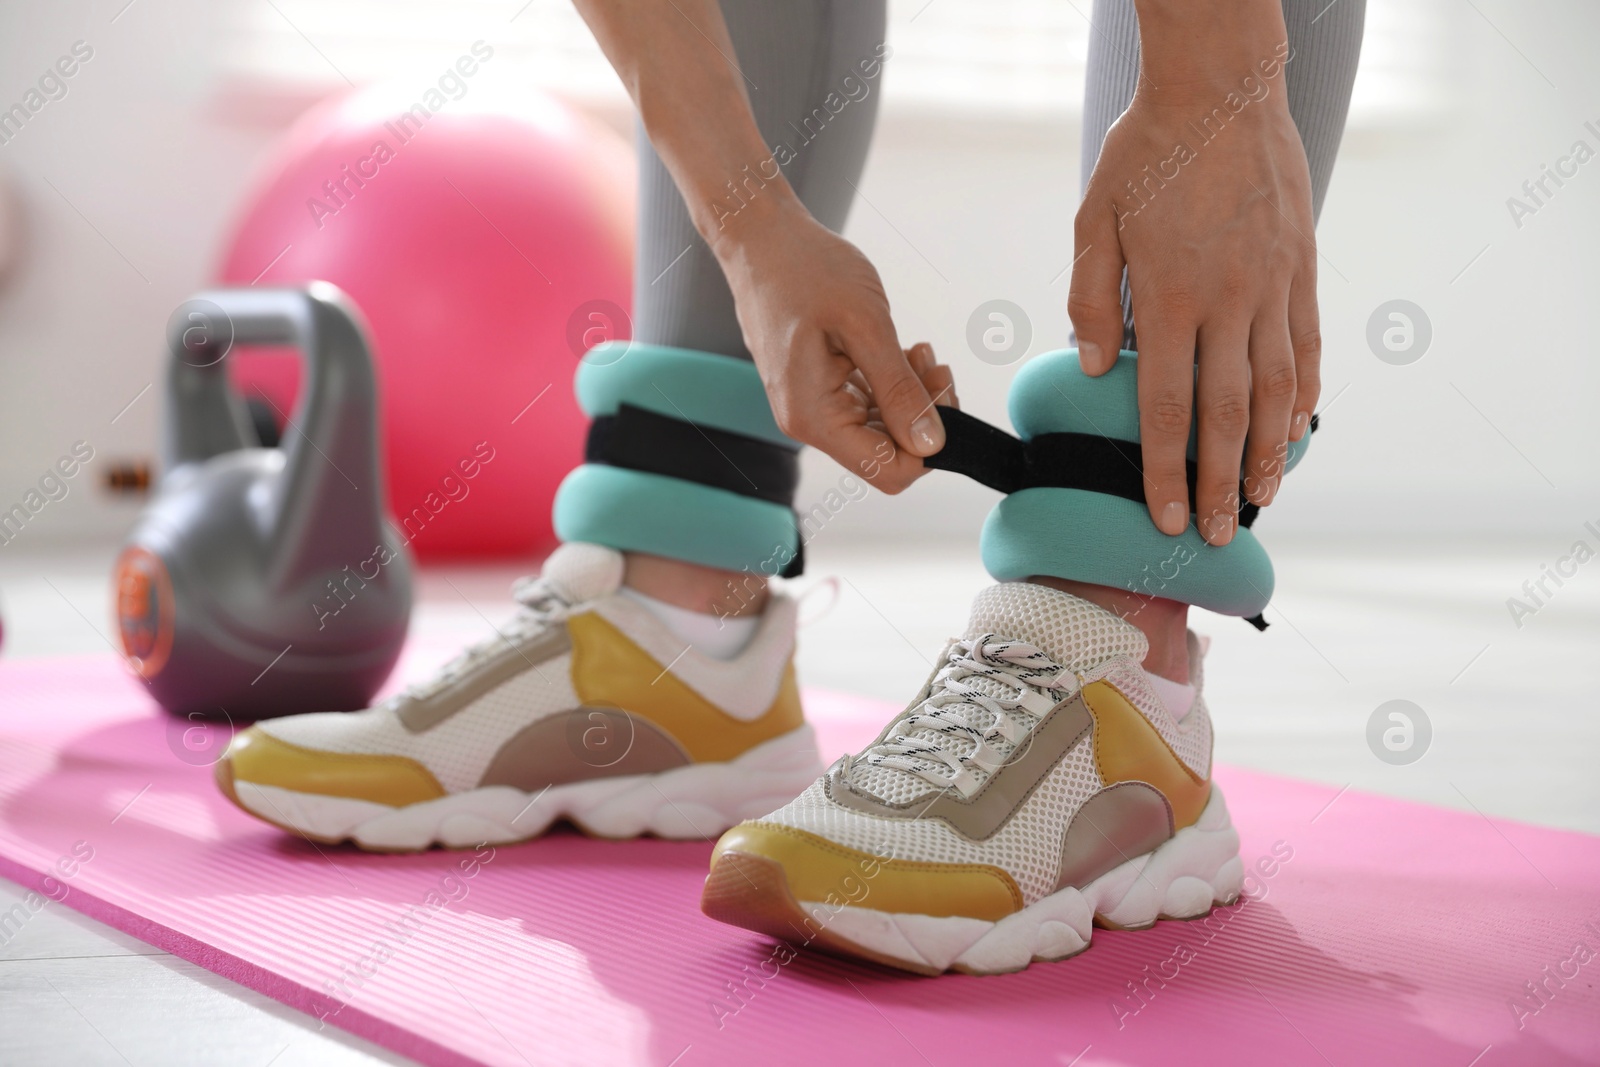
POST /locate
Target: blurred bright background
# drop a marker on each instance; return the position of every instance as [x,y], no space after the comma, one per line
[122,188]
[1435,488]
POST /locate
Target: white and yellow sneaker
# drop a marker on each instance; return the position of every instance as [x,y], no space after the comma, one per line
[585,707]
[1034,788]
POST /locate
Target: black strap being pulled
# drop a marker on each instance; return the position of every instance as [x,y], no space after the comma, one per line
[1095,464]
[639,439]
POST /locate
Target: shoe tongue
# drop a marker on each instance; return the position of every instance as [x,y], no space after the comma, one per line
[1076,634]
[1071,631]
[580,572]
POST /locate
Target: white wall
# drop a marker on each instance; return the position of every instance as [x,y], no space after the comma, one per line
[124,184]
[122,187]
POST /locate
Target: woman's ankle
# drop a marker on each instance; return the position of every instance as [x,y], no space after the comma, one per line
[708,590]
[1164,623]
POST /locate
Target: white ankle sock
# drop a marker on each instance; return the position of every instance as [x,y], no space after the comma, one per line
[711,635]
[1177,697]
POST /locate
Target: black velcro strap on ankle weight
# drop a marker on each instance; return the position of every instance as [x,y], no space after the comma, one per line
[643,440]
[1094,464]
[638,439]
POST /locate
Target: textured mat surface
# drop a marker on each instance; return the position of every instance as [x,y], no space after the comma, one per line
[1378,932]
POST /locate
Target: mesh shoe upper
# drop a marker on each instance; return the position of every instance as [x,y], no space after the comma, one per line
[980,683]
[457,721]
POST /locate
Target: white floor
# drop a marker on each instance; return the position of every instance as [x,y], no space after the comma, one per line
[1514,713]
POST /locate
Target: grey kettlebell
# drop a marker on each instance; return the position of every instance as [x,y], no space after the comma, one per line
[266,581]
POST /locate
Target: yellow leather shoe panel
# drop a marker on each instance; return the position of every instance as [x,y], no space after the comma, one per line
[608,670]
[1127,748]
[259,757]
[820,871]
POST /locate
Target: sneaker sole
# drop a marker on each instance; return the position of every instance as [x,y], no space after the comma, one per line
[693,802]
[1195,870]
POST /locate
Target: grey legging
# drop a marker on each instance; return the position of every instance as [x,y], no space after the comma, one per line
[796,53]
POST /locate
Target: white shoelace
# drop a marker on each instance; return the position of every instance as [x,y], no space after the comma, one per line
[950,708]
[540,605]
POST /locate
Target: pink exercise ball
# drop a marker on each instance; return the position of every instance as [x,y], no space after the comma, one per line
[487,241]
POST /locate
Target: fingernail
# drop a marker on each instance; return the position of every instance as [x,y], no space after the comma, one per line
[1173,520]
[1088,354]
[1272,490]
[928,432]
[1220,527]
[1298,430]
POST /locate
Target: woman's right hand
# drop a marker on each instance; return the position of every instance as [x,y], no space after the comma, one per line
[815,317]
[811,307]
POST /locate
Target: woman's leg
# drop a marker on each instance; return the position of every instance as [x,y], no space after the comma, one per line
[797,56]
[800,60]
[813,72]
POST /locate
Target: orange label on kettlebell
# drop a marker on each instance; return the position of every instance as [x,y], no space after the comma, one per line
[144,610]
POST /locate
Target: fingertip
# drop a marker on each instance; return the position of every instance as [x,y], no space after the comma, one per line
[1172,519]
[940,383]
[920,356]
[1218,529]
[1095,358]
[1261,491]
[895,478]
[927,433]
[1090,358]
[1301,423]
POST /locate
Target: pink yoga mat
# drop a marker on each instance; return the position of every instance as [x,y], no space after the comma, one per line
[1386,932]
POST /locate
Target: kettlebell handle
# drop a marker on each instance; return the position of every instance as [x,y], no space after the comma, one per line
[246,317]
[326,507]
